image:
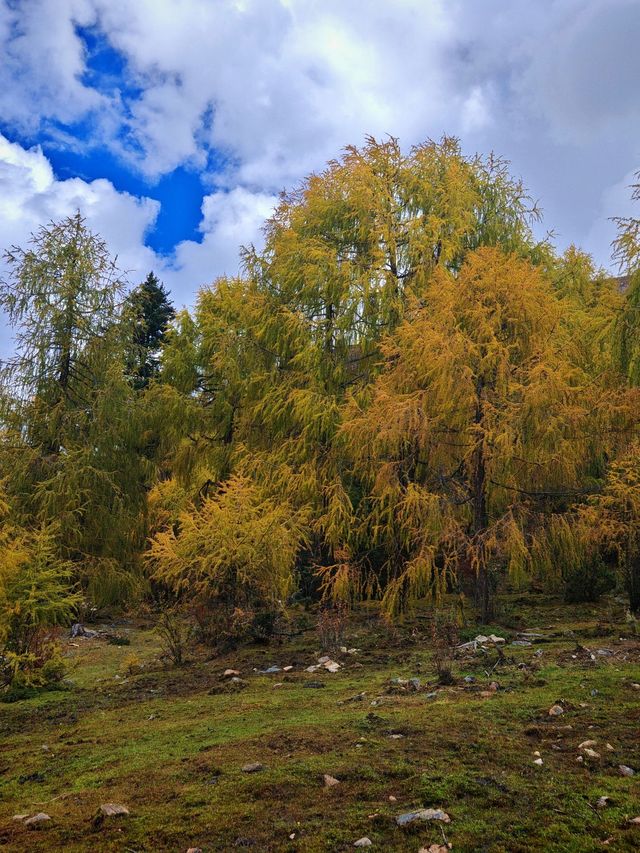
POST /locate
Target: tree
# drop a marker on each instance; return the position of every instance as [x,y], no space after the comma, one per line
[151,312]
[626,250]
[71,447]
[479,420]
[236,549]
[610,522]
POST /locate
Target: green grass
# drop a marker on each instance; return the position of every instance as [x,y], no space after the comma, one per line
[170,750]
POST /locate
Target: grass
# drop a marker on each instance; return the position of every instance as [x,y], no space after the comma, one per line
[170,744]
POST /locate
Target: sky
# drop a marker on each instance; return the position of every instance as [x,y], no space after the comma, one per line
[172,125]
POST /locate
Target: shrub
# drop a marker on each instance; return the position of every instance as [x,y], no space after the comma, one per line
[588,580]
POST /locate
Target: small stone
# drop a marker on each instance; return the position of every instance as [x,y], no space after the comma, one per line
[20,816]
[331,666]
[330,781]
[396,736]
[494,686]
[194,850]
[609,747]
[271,670]
[498,641]
[539,762]
[252,767]
[536,754]
[556,710]
[37,820]
[435,848]
[422,815]
[587,743]
[603,802]
[363,842]
[229,672]
[324,659]
[287,668]
[635,686]
[591,753]
[626,771]
[113,810]
[278,684]
[392,799]
[521,643]
[580,759]
[313,668]
[634,821]
[469,679]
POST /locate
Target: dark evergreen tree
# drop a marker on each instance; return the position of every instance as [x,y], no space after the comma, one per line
[151,312]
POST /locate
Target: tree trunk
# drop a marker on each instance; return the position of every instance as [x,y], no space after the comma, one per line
[633,584]
[484,592]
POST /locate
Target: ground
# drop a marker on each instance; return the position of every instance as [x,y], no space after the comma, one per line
[170,743]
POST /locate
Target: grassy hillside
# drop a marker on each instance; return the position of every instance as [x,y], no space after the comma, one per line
[170,744]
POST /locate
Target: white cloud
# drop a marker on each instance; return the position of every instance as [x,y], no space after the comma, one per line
[274,88]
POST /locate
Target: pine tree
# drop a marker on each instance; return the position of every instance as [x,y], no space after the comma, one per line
[151,312]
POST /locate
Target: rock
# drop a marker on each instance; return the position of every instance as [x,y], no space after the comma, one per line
[432,695]
[635,686]
[435,848]
[331,666]
[522,643]
[556,710]
[252,767]
[603,802]
[469,679]
[278,684]
[112,810]
[363,842]
[626,771]
[314,685]
[591,753]
[78,630]
[494,686]
[609,747]
[414,683]
[37,820]
[230,672]
[422,815]
[314,667]
[324,659]
[498,641]
[20,816]
[287,668]
[481,639]
[194,850]
[392,799]
[330,781]
[538,761]
[587,743]
[634,821]
[270,671]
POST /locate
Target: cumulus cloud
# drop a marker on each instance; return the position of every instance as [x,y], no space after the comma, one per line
[273,88]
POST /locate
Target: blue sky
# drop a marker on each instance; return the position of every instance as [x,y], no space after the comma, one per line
[173,124]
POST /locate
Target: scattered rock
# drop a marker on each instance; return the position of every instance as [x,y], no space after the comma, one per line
[469,679]
[498,641]
[270,671]
[521,643]
[287,668]
[230,672]
[635,686]
[392,799]
[556,710]
[330,781]
[20,816]
[626,771]
[591,753]
[252,767]
[37,820]
[602,802]
[194,850]
[609,747]
[109,810]
[422,815]
[363,842]
[587,743]
[78,630]
[634,821]
[331,666]
[435,848]
[538,761]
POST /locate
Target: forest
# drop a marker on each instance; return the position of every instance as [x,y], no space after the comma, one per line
[407,406]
